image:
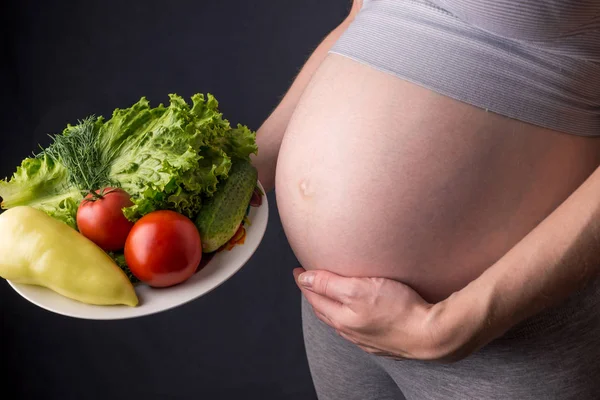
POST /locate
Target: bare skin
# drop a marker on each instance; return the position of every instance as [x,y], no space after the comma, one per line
[480,221]
[378,177]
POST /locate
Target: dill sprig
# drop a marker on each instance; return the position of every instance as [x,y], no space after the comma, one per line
[78,150]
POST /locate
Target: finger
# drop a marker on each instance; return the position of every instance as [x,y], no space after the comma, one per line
[324,318]
[353,339]
[333,286]
[379,353]
[387,355]
[297,272]
[332,309]
[348,337]
[357,342]
[374,351]
[369,349]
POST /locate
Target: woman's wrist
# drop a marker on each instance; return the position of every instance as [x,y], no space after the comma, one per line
[556,258]
[464,322]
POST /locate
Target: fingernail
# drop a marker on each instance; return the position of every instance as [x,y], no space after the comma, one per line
[306,279]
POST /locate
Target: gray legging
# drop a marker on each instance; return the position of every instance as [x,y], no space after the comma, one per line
[554,355]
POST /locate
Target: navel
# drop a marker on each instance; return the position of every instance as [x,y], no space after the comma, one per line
[306,189]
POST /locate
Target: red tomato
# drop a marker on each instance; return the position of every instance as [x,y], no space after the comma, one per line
[100,218]
[163,249]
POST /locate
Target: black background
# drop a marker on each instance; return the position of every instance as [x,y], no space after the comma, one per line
[63,60]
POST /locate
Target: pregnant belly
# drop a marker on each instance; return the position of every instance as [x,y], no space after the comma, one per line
[380,177]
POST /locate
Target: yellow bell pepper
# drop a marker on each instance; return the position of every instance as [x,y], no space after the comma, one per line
[38,250]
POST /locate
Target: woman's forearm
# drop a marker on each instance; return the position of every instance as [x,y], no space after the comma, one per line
[270,134]
[558,257]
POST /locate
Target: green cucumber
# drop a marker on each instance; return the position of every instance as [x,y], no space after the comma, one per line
[221,215]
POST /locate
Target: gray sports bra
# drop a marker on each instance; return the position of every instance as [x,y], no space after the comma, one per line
[570,27]
[537,61]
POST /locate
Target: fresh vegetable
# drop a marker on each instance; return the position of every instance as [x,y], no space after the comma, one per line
[163,249]
[222,214]
[42,183]
[164,157]
[238,238]
[119,259]
[100,218]
[39,250]
[256,199]
[77,149]
[175,157]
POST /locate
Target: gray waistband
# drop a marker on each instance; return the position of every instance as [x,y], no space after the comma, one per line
[428,46]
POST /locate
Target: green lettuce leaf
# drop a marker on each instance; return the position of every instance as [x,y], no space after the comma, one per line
[147,151]
[119,259]
[171,157]
[43,183]
[167,157]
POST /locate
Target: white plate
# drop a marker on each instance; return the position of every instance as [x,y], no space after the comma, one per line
[222,267]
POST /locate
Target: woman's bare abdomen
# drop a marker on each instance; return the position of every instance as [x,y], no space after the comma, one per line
[380,177]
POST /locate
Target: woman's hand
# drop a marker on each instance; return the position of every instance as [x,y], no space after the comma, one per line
[388,318]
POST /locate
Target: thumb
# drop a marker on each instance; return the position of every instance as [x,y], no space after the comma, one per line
[330,285]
